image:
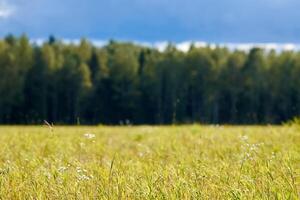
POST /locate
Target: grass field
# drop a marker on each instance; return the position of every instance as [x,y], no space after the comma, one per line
[174,162]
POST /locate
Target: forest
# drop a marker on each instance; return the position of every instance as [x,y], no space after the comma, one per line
[126,83]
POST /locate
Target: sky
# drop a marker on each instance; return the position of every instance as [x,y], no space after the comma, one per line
[211,21]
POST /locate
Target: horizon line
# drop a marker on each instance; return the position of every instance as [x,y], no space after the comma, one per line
[185,45]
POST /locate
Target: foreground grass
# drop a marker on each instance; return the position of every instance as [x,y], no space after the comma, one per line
[178,162]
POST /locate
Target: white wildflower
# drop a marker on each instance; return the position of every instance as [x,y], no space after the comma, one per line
[47,174]
[62,169]
[78,169]
[244,138]
[82,174]
[140,154]
[83,177]
[273,157]
[89,136]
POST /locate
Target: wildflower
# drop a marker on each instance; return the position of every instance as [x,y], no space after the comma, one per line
[140,154]
[47,174]
[273,156]
[78,169]
[250,150]
[89,135]
[62,169]
[82,174]
[244,138]
[84,177]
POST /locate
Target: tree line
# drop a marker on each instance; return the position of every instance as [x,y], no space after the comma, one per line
[127,83]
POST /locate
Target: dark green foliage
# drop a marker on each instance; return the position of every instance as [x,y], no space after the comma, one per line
[126,83]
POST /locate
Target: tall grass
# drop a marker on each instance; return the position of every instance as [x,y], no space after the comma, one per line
[175,162]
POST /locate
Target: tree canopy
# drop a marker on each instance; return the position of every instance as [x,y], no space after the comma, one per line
[127,83]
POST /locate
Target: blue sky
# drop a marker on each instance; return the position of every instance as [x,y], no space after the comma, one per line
[219,21]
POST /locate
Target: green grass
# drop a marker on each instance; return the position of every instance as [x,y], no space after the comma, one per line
[174,162]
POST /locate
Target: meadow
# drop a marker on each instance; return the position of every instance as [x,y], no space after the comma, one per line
[145,162]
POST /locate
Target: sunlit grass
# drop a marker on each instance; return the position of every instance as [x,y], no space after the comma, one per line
[174,162]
